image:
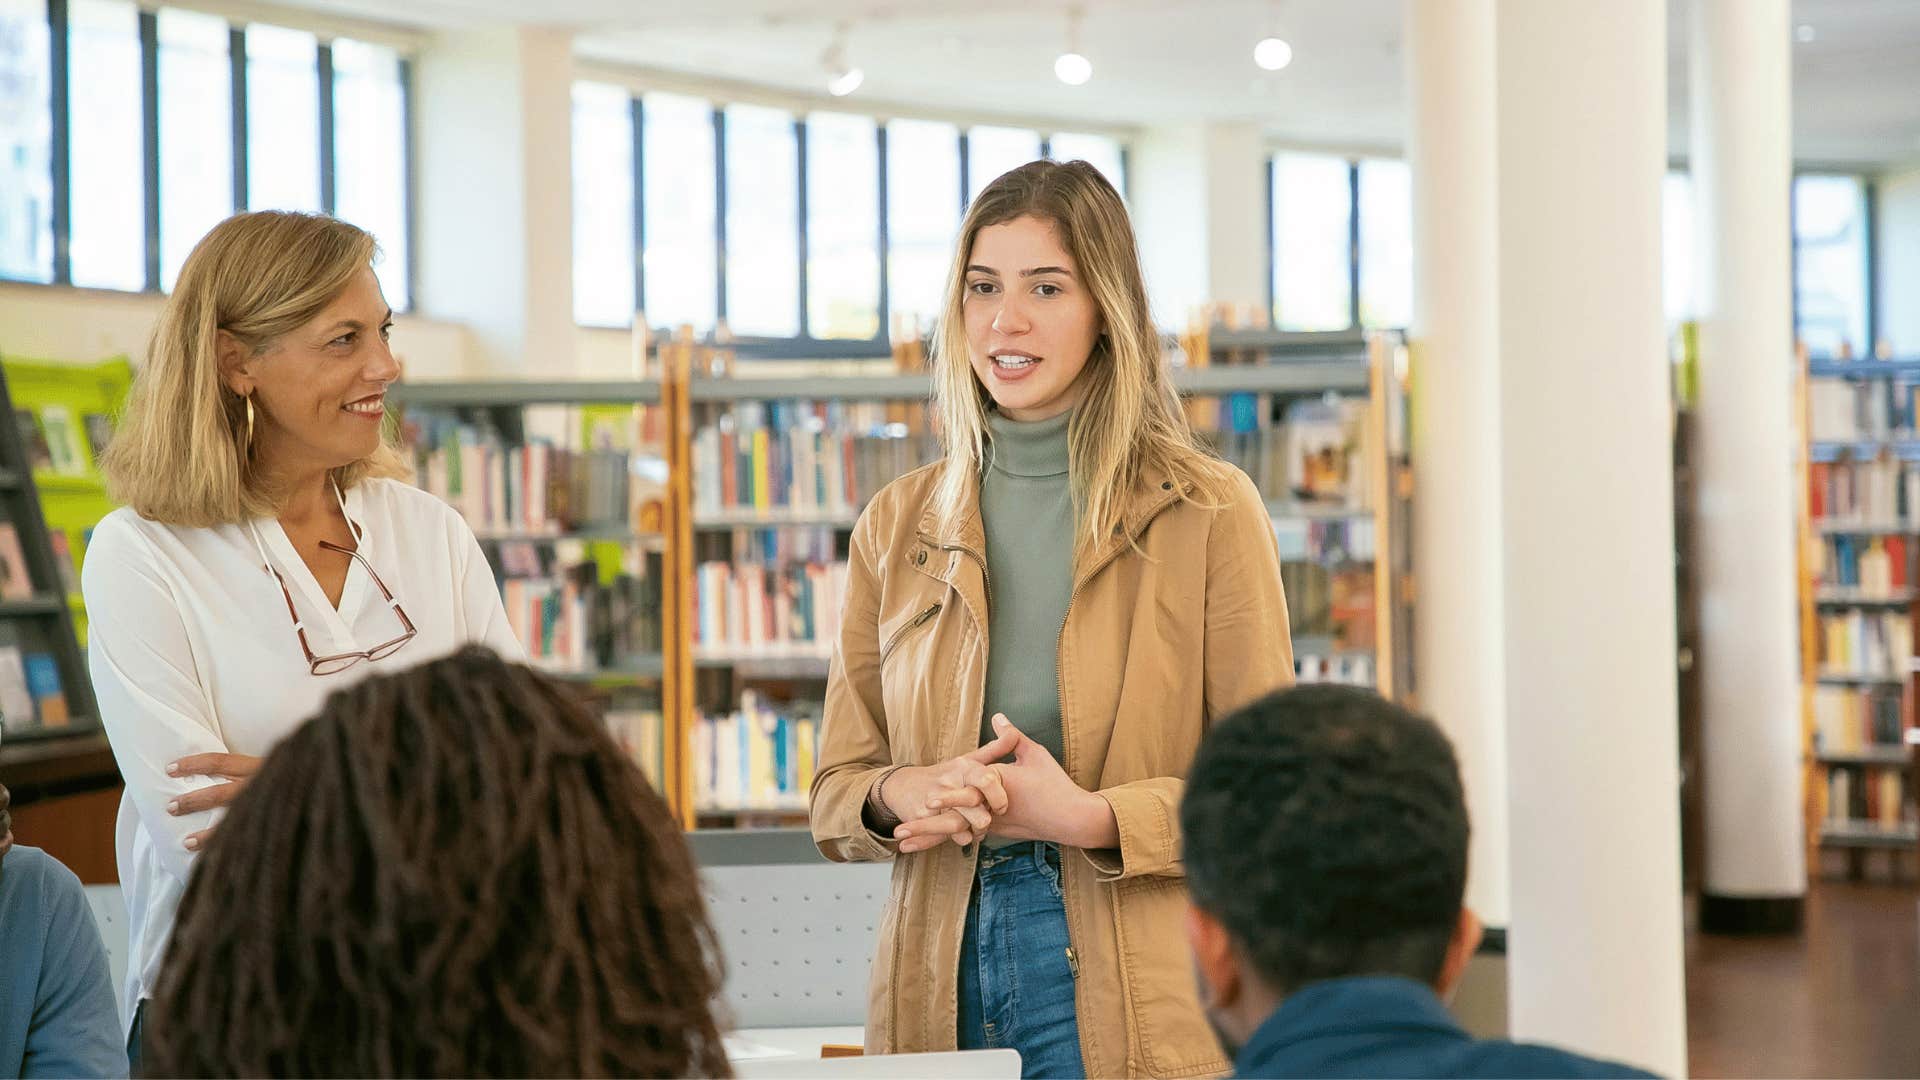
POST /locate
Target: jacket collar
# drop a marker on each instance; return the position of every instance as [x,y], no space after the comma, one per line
[1347,1007]
[1152,493]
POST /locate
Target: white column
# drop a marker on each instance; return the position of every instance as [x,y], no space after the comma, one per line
[1237,215]
[1459,628]
[1742,162]
[1587,489]
[495,212]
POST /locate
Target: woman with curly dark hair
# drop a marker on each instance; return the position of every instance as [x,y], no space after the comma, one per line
[452,871]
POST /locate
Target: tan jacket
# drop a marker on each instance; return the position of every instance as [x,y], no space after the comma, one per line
[1152,650]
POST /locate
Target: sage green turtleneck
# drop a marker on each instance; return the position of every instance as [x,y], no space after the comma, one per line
[1026,506]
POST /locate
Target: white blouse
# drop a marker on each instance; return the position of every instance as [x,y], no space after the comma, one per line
[192,651]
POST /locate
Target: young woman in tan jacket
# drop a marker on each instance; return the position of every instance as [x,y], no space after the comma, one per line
[1038,630]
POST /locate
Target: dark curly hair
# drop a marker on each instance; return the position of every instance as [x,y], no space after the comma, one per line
[1326,829]
[451,871]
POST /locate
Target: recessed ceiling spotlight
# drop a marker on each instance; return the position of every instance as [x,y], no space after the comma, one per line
[1804,33]
[1272,54]
[1072,67]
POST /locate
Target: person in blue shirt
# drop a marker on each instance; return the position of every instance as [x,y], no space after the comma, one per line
[1326,854]
[57,1016]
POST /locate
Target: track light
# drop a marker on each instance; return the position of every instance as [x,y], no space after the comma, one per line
[842,77]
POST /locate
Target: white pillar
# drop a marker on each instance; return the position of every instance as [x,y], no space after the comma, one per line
[495,210]
[1459,628]
[1587,495]
[1199,212]
[1742,161]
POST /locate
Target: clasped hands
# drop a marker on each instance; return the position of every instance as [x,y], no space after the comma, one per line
[1012,787]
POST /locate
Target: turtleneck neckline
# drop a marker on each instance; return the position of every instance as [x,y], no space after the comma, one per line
[1032,449]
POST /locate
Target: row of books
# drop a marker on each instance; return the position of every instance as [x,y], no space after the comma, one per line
[31,693]
[819,456]
[1866,644]
[572,615]
[779,609]
[540,483]
[639,732]
[1847,410]
[1317,455]
[1849,719]
[1337,604]
[1345,669]
[760,756]
[1869,796]
[1874,565]
[56,442]
[1329,542]
[1881,492]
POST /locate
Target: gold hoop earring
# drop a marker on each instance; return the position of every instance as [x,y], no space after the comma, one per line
[249,400]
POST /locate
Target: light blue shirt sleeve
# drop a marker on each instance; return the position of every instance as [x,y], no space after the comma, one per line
[57,1014]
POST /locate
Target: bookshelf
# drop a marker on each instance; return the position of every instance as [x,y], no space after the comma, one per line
[45,692]
[760,481]
[1859,541]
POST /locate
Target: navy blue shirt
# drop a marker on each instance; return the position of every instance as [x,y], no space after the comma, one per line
[57,1016]
[1390,1026]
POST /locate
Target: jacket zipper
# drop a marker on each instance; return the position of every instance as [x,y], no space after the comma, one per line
[918,620]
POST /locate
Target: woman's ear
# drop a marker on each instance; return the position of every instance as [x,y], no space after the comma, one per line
[236,363]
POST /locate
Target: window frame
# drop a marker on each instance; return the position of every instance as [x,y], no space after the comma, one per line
[60,107]
[805,345]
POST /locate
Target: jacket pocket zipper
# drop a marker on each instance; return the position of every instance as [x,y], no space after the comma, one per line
[917,621]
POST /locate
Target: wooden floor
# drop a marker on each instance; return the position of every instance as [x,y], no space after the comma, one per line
[1841,1000]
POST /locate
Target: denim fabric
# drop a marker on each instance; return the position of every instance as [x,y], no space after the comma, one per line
[1016,978]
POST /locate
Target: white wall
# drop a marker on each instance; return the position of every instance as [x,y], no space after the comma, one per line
[51,323]
[1897,278]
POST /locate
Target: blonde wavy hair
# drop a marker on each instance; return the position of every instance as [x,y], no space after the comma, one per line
[1129,420]
[180,456]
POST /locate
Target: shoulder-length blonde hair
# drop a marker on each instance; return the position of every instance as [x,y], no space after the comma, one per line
[1129,420]
[180,455]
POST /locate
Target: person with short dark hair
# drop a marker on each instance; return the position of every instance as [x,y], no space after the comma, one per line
[451,871]
[1326,851]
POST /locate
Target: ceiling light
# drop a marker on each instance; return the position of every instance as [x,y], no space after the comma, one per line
[1272,54]
[842,77]
[1072,67]
[1804,33]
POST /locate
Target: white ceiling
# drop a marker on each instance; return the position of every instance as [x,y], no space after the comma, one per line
[1856,92]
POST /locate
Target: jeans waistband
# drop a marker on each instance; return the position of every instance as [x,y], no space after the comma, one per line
[1025,856]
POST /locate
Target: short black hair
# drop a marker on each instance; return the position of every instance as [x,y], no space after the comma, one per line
[1325,828]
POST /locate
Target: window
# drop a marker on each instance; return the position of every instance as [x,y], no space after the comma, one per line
[1312,222]
[603,256]
[679,260]
[107,177]
[843,227]
[1386,244]
[1830,264]
[283,119]
[995,150]
[26,142]
[1676,246]
[923,215]
[1096,150]
[370,156]
[196,133]
[763,222]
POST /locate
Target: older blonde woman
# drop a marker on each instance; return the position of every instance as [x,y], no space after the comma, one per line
[268,553]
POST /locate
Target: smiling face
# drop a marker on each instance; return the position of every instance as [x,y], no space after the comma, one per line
[1031,322]
[319,391]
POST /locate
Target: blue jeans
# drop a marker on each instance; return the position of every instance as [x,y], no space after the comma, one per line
[1016,978]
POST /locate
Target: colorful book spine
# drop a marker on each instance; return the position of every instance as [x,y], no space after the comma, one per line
[759,756]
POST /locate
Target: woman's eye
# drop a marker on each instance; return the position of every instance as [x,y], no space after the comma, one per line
[1047,289]
[344,339]
[386,332]
[981,288]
